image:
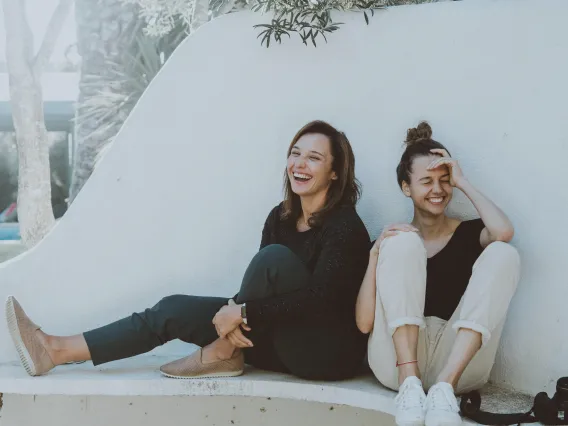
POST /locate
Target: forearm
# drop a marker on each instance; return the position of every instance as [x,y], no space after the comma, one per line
[365,306]
[495,220]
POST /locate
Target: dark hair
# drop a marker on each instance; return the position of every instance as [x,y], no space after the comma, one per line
[345,190]
[418,143]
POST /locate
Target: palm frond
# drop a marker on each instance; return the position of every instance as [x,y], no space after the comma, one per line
[116,92]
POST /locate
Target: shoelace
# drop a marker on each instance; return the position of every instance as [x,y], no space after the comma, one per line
[409,397]
[438,400]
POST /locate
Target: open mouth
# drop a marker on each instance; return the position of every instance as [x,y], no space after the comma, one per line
[301,177]
[436,200]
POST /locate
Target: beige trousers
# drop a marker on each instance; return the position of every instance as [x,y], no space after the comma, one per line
[401,290]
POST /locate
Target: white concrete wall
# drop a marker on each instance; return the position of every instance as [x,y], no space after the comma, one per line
[210,135]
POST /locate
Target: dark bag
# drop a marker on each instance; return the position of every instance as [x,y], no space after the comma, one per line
[548,411]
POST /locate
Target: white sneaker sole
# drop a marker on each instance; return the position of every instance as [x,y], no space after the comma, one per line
[23,353]
[205,376]
[444,421]
[410,423]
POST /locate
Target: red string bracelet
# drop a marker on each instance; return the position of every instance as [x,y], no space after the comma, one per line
[404,363]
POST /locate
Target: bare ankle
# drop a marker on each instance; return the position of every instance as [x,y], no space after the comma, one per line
[408,370]
[51,345]
[447,378]
[220,350]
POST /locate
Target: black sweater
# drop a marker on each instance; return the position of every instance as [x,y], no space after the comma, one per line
[336,253]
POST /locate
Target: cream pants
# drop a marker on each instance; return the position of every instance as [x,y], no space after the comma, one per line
[400,299]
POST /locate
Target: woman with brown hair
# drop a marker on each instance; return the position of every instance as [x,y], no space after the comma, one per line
[294,312]
[436,292]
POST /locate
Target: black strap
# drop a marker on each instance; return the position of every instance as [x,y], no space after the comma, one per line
[470,407]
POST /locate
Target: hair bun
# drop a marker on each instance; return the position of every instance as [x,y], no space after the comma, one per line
[421,132]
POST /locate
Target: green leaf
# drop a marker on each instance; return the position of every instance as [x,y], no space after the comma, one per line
[314,38]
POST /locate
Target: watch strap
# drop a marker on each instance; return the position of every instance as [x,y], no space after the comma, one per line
[244,313]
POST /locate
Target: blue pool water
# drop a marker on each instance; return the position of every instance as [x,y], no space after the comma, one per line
[9,231]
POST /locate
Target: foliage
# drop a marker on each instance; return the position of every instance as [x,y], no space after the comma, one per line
[126,79]
[313,18]
[162,16]
[309,19]
[167,23]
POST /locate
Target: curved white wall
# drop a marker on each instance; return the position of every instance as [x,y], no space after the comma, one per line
[210,137]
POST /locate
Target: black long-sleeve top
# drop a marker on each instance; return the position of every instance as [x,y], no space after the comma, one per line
[336,253]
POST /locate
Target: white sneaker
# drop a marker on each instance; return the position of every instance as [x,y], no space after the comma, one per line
[410,403]
[442,406]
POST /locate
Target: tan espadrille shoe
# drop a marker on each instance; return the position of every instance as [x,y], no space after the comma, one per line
[33,355]
[192,367]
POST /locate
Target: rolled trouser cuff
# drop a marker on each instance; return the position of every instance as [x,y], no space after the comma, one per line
[400,322]
[471,325]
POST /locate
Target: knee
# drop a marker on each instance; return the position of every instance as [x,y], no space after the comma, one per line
[274,254]
[506,255]
[502,260]
[168,301]
[276,250]
[167,305]
[405,243]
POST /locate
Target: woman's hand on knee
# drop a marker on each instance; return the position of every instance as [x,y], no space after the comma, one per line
[391,231]
[238,339]
[227,319]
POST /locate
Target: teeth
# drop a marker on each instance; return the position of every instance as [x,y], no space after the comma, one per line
[436,200]
[301,176]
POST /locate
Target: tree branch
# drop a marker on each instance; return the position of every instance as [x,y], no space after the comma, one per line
[19,37]
[200,14]
[51,34]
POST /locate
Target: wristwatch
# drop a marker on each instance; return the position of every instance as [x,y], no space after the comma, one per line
[244,313]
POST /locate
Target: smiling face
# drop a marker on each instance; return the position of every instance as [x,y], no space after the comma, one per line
[310,164]
[430,190]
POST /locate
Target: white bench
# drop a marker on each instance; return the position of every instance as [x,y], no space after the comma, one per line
[139,376]
[177,204]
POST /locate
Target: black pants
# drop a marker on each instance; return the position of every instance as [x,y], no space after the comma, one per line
[320,349]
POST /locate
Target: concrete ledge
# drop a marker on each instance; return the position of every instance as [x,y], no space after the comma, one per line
[139,376]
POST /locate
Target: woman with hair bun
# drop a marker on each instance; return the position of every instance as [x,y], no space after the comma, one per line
[437,290]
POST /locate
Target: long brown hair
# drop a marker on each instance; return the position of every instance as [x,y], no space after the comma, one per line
[418,143]
[345,190]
